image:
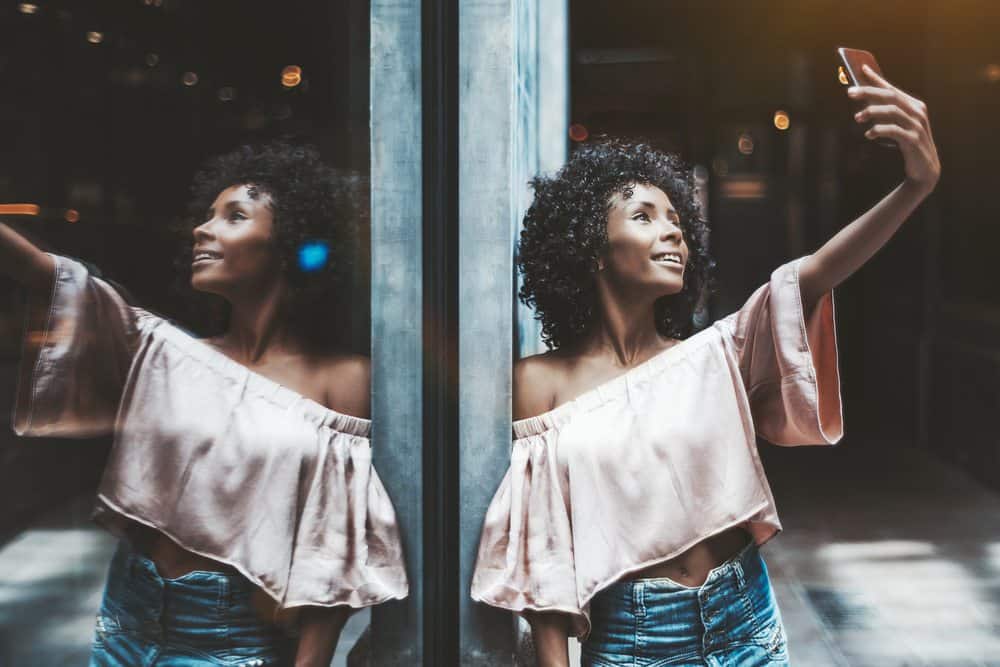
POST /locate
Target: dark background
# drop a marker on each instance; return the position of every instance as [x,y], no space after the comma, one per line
[110,131]
[919,325]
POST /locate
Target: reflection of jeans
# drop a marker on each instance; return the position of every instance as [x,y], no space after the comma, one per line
[199,619]
[731,619]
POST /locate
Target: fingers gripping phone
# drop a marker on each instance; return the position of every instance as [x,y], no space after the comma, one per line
[851,62]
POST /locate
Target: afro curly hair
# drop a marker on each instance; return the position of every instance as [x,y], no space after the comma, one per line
[312,204]
[565,232]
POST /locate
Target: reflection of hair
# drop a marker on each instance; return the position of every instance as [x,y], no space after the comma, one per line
[565,230]
[313,205]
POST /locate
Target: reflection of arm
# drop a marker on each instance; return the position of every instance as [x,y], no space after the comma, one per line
[319,631]
[550,634]
[24,262]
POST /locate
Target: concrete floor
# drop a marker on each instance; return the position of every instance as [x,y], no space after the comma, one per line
[886,560]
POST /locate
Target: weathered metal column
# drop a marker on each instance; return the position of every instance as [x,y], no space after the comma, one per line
[397,352]
[513,104]
[486,197]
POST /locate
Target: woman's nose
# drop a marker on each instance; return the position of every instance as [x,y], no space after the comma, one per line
[671,230]
[202,231]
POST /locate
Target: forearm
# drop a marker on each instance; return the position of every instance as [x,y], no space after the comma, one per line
[550,634]
[319,631]
[21,260]
[858,242]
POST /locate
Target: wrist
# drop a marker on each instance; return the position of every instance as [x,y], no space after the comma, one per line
[919,189]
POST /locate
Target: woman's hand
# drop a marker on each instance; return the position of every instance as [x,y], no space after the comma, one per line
[902,118]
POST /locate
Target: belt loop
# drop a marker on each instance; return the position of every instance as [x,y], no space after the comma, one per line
[740,577]
[223,594]
[639,598]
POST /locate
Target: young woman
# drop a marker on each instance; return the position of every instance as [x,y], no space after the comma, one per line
[635,500]
[240,478]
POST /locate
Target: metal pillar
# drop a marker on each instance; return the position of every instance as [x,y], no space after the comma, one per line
[486,130]
[397,271]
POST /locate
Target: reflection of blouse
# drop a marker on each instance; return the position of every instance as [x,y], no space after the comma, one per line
[227,463]
[641,468]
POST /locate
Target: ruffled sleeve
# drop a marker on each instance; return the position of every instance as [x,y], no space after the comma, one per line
[77,351]
[788,363]
[347,548]
[525,560]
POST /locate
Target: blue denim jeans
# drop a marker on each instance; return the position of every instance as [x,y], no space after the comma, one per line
[199,619]
[730,620]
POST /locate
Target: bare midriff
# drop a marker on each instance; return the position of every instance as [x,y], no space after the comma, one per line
[171,559]
[691,568]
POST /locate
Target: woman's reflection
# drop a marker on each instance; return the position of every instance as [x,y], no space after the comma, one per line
[240,480]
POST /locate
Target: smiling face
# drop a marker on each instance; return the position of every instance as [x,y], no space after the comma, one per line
[234,250]
[646,251]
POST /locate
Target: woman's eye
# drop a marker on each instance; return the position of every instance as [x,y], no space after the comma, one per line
[236,215]
[641,216]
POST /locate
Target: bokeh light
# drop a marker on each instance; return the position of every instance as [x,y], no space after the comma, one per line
[745,144]
[152,59]
[578,132]
[95,36]
[781,120]
[313,255]
[189,79]
[71,215]
[27,8]
[992,72]
[291,76]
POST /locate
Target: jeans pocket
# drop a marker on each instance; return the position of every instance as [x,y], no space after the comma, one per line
[104,628]
[772,639]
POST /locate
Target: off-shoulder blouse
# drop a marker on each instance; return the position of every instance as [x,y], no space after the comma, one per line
[227,463]
[645,466]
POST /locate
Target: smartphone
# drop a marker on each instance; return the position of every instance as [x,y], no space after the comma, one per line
[851,61]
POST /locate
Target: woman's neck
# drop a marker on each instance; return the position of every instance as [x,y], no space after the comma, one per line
[625,330]
[258,325]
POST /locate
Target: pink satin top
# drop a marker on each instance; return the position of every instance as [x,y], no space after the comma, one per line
[227,463]
[639,469]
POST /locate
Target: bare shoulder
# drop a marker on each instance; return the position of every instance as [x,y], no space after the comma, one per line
[535,381]
[347,383]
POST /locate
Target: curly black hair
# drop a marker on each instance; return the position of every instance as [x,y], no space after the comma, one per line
[313,204]
[565,231]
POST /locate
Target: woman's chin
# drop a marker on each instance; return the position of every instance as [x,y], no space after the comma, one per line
[206,286]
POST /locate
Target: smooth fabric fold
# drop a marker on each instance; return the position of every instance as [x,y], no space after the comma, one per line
[643,467]
[227,463]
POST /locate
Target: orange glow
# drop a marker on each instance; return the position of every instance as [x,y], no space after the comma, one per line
[750,187]
[19,209]
[842,76]
[291,76]
[578,132]
[28,8]
[781,120]
[95,37]
[189,79]
[992,72]
[72,215]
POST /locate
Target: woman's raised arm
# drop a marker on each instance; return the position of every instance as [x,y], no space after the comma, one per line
[23,261]
[902,118]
